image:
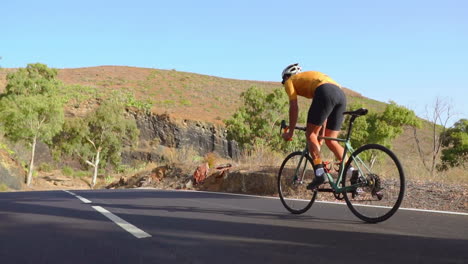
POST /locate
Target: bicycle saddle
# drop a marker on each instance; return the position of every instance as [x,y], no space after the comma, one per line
[358,112]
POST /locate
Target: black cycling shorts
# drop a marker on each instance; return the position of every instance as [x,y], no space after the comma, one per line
[329,103]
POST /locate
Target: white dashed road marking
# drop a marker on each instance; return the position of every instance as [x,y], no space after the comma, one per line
[84,200]
[137,232]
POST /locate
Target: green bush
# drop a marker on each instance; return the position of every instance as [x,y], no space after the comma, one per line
[455,142]
[6,148]
[144,105]
[81,174]
[3,188]
[67,171]
[185,102]
[45,167]
[380,128]
[122,168]
[257,121]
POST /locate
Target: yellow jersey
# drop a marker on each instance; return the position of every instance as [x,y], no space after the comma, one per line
[305,84]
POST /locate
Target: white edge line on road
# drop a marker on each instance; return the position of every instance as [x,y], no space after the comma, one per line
[138,233]
[434,211]
[338,203]
[405,209]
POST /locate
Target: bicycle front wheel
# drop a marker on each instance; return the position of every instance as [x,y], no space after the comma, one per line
[376,188]
[295,174]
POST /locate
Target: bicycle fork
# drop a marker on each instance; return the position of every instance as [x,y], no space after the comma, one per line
[299,179]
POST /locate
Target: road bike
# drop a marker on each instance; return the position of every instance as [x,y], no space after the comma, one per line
[372,181]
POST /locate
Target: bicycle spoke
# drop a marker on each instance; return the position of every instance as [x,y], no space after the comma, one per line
[379,182]
[295,174]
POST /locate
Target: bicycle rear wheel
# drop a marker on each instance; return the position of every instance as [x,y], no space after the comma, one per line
[293,177]
[379,183]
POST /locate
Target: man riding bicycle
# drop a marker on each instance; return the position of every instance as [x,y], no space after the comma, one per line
[326,110]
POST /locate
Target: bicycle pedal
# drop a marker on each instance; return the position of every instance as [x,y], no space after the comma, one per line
[357,192]
[379,195]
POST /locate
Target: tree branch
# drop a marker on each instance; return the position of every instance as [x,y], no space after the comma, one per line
[92,143]
[418,145]
[90,163]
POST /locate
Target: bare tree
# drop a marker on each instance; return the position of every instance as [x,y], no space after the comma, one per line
[439,115]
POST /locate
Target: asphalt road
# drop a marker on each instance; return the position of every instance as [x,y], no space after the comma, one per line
[154,226]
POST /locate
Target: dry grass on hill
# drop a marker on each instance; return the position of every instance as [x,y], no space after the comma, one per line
[180,94]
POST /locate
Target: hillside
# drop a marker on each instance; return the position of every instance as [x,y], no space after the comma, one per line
[200,100]
[180,94]
[209,99]
[198,97]
[193,96]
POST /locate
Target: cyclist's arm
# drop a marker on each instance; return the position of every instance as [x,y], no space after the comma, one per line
[293,108]
[293,113]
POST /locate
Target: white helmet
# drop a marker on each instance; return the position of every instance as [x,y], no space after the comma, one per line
[291,70]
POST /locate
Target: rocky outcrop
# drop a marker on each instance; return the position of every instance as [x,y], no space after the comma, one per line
[159,135]
[248,182]
[165,132]
[11,173]
[223,178]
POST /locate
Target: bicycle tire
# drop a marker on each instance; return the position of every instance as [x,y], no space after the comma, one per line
[383,187]
[293,194]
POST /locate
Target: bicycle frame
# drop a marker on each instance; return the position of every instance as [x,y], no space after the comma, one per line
[334,184]
[347,149]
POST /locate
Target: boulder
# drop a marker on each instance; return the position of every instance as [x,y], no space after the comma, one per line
[11,173]
[249,182]
[200,173]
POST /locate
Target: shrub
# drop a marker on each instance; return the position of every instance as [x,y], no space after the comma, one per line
[3,187]
[211,158]
[185,102]
[257,121]
[81,174]
[45,167]
[67,171]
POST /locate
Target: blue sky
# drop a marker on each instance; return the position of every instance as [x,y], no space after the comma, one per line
[407,51]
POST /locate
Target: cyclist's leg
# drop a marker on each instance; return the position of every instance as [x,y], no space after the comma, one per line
[313,143]
[314,149]
[320,108]
[333,145]
[335,120]
[325,104]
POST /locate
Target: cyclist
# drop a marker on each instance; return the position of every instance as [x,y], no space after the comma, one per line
[328,105]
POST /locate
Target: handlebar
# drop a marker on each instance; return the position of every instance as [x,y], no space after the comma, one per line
[285,127]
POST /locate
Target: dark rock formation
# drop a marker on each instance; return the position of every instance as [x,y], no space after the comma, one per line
[178,134]
[11,173]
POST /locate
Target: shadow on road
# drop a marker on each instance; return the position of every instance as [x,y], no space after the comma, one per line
[55,227]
